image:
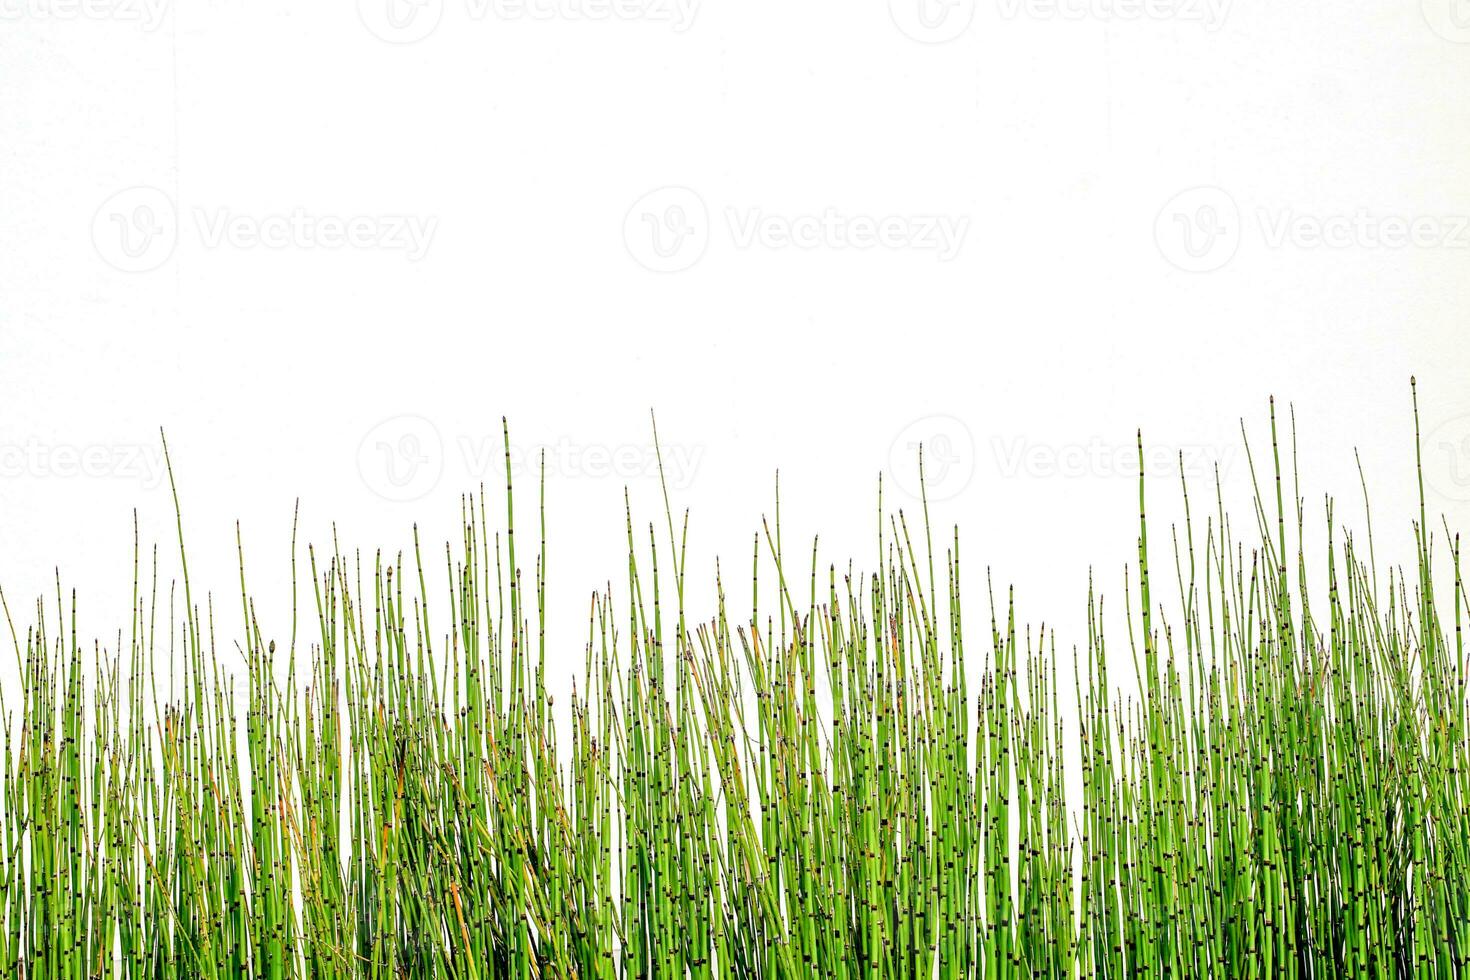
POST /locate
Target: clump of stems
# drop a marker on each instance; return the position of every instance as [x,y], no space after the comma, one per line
[842,780]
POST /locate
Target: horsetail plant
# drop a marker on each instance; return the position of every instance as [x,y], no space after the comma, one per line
[851,782]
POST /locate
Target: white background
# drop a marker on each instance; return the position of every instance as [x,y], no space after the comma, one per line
[1159,214]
